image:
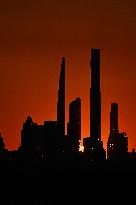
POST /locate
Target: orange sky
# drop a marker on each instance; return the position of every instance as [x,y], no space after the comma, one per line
[34,35]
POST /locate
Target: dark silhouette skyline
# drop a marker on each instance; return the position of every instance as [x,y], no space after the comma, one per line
[50,139]
[49,163]
[51,77]
[34,37]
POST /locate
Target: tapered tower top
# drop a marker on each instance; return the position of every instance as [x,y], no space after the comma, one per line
[61,98]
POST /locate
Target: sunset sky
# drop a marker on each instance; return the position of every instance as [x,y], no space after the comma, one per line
[35,34]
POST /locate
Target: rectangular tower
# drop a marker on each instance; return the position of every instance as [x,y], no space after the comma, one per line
[96,145]
[95,96]
[74,124]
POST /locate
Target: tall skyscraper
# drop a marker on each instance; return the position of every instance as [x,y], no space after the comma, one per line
[117,145]
[61,98]
[74,124]
[95,96]
[96,145]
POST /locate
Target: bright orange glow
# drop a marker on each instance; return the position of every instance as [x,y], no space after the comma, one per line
[33,39]
[81,148]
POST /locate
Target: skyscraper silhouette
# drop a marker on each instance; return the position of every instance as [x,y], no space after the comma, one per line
[97,151]
[74,124]
[61,99]
[117,145]
[95,96]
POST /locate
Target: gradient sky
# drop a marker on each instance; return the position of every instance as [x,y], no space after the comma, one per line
[35,34]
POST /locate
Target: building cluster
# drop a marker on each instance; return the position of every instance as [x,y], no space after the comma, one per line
[49,141]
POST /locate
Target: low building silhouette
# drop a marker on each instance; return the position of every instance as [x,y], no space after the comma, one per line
[41,142]
[32,139]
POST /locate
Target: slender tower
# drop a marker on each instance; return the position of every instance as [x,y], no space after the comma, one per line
[95,96]
[61,98]
[97,151]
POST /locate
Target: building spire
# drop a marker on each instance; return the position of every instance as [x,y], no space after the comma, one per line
[61,98]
